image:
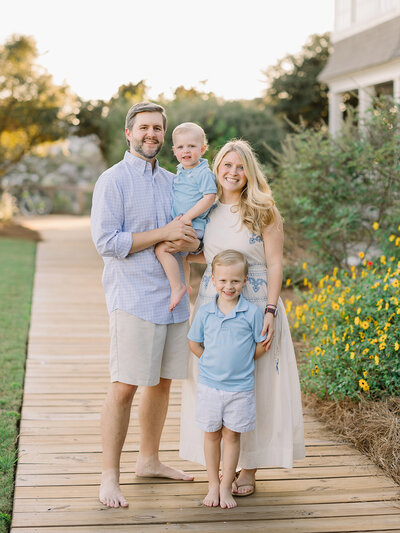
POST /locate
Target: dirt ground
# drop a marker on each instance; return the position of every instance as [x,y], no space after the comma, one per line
[13,230]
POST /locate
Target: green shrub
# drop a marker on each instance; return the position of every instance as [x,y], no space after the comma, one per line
[350,325]
[331,189]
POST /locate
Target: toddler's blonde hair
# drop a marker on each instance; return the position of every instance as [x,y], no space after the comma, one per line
[190,127]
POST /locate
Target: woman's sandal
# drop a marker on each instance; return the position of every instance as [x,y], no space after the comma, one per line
[242,494]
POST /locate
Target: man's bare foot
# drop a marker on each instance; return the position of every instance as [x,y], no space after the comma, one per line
[212,498]
[226,500]
[154,468]
[110,492]
[176,296]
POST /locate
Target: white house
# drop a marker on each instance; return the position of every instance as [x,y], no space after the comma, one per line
[366,54]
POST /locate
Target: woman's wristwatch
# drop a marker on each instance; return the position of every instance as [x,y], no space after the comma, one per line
[271,308]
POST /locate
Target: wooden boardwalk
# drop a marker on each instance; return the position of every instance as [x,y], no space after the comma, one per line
[334,489]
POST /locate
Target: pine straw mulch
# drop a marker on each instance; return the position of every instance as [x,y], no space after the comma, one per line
[12,230]
[373,427]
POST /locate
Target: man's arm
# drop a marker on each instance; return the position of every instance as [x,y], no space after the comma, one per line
[176,230]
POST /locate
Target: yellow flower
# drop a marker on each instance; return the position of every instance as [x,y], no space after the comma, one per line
[365,373]
[397,241]
[316,369]
[305,281]
[365,324]
[376,359]
[366,386]
[358,310]
[362,383]
[382,346]
[375,225]
[346,349]
[338,283]
[288,282]
[357,320]
[395,283]
[335,306]
[396,346]
[352,355]
[304,266]
[392,238]
[383,259]
[317,350]
[361,255]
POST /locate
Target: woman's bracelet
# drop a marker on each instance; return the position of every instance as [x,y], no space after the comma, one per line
[271,308]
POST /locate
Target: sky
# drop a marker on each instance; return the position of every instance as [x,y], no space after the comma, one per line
[221,46]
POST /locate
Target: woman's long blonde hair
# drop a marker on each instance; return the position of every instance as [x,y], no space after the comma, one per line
[256,205]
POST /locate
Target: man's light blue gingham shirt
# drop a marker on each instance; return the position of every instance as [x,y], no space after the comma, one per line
[131,197]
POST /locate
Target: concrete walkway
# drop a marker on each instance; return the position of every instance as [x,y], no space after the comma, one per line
[334,489]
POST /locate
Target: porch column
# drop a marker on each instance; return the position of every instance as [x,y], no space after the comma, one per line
[335,112]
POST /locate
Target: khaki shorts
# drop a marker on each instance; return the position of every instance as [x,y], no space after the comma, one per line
[142,352]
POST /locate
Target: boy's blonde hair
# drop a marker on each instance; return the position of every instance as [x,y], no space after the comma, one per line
[230,257]
[256,205]
[190,127]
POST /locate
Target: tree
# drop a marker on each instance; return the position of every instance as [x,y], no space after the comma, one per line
[221,122]
[107,119]
[293,89]
[33,109]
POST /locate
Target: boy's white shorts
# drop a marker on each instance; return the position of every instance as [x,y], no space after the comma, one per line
[236,410]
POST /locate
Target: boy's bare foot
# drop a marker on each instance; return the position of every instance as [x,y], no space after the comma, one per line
[176,296]
[110,492]
[226,500]
[154,468]
[212,498]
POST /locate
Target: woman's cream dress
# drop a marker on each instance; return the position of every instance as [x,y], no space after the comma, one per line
[279,437]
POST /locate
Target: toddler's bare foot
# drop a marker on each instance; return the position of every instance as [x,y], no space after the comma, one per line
[189,289]
[212,498]
[176,296]
[110,492]
[154,468]
[226,500]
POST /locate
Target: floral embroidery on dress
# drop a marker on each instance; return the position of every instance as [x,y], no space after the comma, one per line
[206,280]
[254,238]
[256,283]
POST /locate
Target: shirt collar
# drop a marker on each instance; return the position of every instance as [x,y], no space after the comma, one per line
[203,163]
[241,306]
[138,164]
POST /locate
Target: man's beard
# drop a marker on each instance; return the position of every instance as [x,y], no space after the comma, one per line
[139,145]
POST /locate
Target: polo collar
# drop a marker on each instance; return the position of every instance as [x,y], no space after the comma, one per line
[241,306]
[203,163]
[138,164]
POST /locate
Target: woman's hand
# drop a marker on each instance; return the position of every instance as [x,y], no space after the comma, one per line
[268,327]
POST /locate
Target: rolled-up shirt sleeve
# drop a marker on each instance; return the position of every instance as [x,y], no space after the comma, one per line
[107,220]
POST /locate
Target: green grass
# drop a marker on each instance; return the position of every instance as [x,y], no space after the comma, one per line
[17,263]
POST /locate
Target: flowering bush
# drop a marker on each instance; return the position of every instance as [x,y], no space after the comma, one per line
[350,325]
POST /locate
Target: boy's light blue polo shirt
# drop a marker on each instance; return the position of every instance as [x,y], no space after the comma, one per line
[227,362]
[189,186]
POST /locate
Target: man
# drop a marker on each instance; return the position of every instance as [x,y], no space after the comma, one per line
[130,214]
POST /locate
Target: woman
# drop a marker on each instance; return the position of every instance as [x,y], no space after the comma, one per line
[246,219]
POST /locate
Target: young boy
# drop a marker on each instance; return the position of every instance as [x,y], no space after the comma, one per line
[226,336]
[194,192]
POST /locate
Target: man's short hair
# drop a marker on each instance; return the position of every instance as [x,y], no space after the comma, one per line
[230,257]
[142,107]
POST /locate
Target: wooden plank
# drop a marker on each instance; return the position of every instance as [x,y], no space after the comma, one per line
[300,525]
[157,515]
